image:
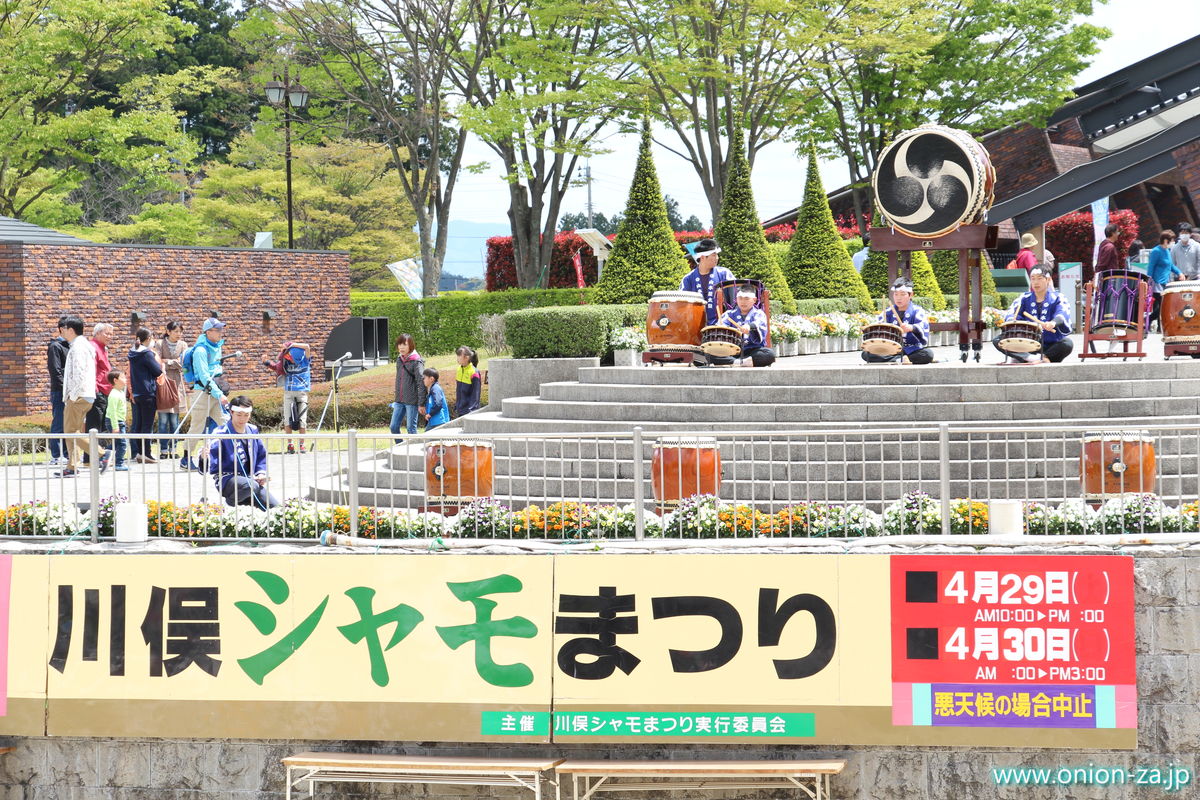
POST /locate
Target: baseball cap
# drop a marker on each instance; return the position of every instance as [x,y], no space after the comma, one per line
[212,322]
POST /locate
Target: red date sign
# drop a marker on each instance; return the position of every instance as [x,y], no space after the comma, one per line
[1012,619]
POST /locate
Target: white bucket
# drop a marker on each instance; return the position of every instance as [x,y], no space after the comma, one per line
[130,522]
[1005,518]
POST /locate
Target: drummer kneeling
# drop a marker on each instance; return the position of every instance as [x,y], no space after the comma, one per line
[1048,309]
[912,320]
[752,322]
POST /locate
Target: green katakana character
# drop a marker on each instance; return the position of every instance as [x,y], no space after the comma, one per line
[405,617]
[260,665]
[484,628]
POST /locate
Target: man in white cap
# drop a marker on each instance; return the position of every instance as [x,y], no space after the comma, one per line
[706,277]
[912,320]
[752,323]
[205,358]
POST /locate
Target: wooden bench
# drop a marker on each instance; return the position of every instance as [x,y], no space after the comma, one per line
[588,778]
[314,768]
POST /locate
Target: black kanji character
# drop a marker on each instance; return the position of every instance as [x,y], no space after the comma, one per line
[193,632]
[772,618]
[605,626]
[720,610]
[91,628]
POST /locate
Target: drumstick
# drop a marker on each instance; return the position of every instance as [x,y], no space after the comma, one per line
[1032,317]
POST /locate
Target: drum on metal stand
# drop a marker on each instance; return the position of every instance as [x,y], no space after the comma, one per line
[684,466]
[457,472]
[883,339]
[1020,336]
[721,341]
[1117,463]
[673,323]
[1181,318]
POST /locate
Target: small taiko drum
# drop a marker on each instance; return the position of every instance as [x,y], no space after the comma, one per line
[883,339]
[457,472]
[674,321]
[684,466]
[1116,463]
[721,341]
[1181,312]
[1020,336]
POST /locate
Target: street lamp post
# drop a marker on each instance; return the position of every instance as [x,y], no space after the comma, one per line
[288,96]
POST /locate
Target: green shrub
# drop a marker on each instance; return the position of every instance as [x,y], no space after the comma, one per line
[830,305]
[568,331]
[645,257]
[744,249]
[875,275]
[441,324]
[818,264]
[945,270]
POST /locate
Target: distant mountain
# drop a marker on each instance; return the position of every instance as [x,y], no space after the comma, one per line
[450,282]
[466,248]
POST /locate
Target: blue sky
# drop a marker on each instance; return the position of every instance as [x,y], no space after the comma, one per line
[778,174]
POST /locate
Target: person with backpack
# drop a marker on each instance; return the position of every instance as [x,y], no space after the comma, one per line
[201,370]
[293,368]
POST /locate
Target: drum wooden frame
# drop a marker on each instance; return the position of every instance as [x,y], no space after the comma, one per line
[463,471]
[721,341]
[1020,336]
[883,339]
[1180,313]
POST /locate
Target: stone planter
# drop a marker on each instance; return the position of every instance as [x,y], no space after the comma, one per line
[627,357]
[521,377]
[810,346]
[826,344]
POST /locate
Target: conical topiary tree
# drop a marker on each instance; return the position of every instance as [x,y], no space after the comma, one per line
[945,269]
[744,250]
[818,264]
[645,257]
[925,285]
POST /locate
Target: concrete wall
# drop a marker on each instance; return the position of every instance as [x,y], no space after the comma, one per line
[521,377]
[1168,645]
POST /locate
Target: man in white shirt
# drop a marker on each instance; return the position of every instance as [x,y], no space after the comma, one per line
[79,391]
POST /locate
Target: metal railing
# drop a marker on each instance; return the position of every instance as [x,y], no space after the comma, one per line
[903,479]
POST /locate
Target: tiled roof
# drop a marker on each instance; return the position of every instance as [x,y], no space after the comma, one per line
[14,230]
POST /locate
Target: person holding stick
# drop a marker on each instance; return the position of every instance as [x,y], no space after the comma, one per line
[1051,311]
[912,320]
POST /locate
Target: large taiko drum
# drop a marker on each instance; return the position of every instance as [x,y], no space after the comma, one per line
[457,472]
[931,180]
[1181,312]
[883,339]
[674,321]
[1020,336]
[1115,302]
[1116,463]
[684,466]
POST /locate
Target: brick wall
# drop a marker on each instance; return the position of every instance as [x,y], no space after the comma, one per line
[1022,158]
[12,339]
[1188,159]
[1137,199]
[308,291]
[1069,132]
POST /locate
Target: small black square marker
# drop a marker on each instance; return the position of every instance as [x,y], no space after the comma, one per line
[922,643]
[920,587]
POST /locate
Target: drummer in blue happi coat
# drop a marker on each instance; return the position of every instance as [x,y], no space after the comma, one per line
[1051,310]
[752,323]
[706,277]
[913,321]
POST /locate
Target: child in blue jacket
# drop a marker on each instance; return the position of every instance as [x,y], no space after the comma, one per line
[436,410]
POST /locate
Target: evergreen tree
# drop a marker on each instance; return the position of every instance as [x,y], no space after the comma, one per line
[744,250]
[818,264]
[945,269]
[645,257]
[925,285]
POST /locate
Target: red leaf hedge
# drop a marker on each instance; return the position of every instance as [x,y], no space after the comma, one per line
[1070,237]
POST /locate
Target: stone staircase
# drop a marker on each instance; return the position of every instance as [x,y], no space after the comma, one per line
[824,433]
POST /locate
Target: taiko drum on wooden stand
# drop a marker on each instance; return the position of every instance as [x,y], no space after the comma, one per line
[1117,463]
[684,466]
[457,472]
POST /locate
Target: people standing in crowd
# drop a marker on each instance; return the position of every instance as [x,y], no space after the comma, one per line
[410,385]
[79,392]
[1135,253]
[170,351]
[1026,258]
[1186,254]
[294,369]
[468,383]
[206,369]
[102,334]
[56,363]
[1106,256]
[239,465]
[436,411]
[115,414]
[144,374]
[1161,271]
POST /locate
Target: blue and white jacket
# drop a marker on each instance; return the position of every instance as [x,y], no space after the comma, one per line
[1055,308]
[230,457]
[755,318]
[918,337]
[691,283]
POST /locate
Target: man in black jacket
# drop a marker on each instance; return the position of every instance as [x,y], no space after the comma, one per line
[56,361]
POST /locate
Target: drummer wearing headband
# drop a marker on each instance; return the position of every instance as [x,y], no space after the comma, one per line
[912,320]
[706,277]
[752,322]
[1048,308]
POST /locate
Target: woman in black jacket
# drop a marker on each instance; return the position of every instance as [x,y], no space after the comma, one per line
[144,371]
[410,388]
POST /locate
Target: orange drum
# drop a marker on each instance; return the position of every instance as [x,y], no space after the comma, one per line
[674,321]
[457,472]
[1181,311]
[684,466]
[1114,463]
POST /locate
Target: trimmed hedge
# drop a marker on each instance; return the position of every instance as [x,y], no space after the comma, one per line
[829,305]
[568,331]
[441,324]
[945,269]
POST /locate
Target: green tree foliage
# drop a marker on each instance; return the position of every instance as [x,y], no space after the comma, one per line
[818,264]
[606,225]
[744,249]
[645,257]
[945,269]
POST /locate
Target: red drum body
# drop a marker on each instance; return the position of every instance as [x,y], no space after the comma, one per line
[1113,464]
[674,321]
[1181,312]
[685,466]
[1020,336]
[883,339]
[457,472]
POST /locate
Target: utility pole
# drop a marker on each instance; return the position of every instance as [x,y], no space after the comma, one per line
[587,171]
